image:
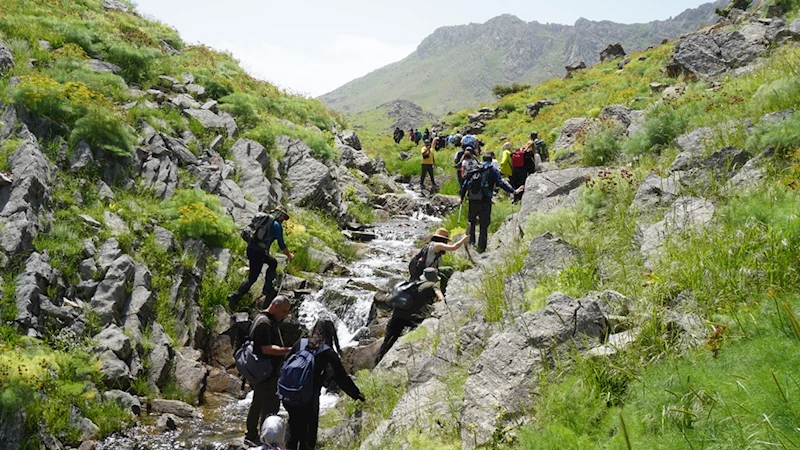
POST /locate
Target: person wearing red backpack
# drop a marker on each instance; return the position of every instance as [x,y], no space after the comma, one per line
[523,162]
[304,418]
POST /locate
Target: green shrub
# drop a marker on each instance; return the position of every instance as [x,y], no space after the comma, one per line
[64,103]
[662,125]
[106,130]
[602,146]
[780,136]
[501,91]
[8,147]
[243,106]
[136,63]
[193,213]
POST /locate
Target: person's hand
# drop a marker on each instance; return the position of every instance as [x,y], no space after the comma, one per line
[465,239]
[520,190]
[290,256]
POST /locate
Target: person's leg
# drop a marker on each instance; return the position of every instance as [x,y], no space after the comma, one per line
[445,272]
[393,331]
[296,427]
[472,219]
[313,423]
[269,278]
[422,176]
[433,182]
[255,412]
[256,258]
[485,217]
[272,403]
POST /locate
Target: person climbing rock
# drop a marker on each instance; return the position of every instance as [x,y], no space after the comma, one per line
[304,418]
[428,161]
[267,342]
[430,255]
[479,186]
[423,293]
[258,254]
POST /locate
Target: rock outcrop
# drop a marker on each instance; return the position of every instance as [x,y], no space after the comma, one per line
[312,183]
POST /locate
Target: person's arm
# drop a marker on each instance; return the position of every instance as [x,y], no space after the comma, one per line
[538,159]
[498,179]
[439,294]
[273,350]
[342,378]
[441,247]
[278,230]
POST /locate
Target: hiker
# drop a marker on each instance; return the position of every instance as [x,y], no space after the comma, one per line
[423,293]
[267,342]
[505,160]
[258,254]
[495,162]
[541,147]
[418,136]
[428,161]
[398,135]
[304,418]
[411,134]
[426,136]
[273,434]
[522,160]
[457,139]
[468,162]
[479,188]
[430,255]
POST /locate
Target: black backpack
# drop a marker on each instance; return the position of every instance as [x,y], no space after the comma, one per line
[259,229]
[418,263]
[478,183]
[402,296]
[541,147]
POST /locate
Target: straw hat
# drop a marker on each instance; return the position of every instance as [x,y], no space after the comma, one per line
[442,233]
[282,209]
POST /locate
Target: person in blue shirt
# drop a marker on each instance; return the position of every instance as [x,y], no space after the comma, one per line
[480,198]
[258,255]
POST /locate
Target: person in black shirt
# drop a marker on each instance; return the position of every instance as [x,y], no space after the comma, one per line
[304,420]
[267,341]
[423,297]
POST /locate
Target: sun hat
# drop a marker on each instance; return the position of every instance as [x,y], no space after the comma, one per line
[281,209]
[430,275]
[443,233]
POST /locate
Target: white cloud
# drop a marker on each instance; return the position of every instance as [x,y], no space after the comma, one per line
[336,61]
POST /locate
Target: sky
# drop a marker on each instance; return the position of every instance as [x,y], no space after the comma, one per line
[311,47]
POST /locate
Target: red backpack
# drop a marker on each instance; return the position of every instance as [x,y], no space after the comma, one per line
[518,158]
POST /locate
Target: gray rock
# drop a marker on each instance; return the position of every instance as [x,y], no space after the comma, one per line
[482,115]
[176,407]
[89,430]
[311,181]
[91,221]
[549,191]
[703,174]
[167,81]
[682,162]
[178,148]
[12,430]
[115,372]
[103,67]
[115,224]
[347,181]
[6,58]
[210,120]
[115,5]
[165,240]
[81,157]
[613,51]
[356,159]
[222,258]
[104,191]
[184,101]
[571,129]
[710,54]
[108,253]
[111,293]
[87,269]
[513,359]
[167,422]
[252,159]
[532,109]
[31,288]
[196,90]
[696,141]
[687,213]
[216,143]
[159,356]
[211,105]
[114,339]
[349,138]
[622,115]
[397,204]
[187,78]
[794,29]
[574,67]
[656,191]
[752,173]
[221,382]
[189,371]
[547,255]
[125,400]
[160,174]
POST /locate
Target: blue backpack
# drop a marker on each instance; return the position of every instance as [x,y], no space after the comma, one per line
[296,382]
[470,140]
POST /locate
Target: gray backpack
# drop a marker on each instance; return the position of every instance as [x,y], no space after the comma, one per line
[254,368]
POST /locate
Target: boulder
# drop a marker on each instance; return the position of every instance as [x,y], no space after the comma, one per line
[116,373]
[794,29]
[210,120]
[104,191]
[176,407]
[695,141]
[81,157]
[752,173]
[311,181]
[196,90]
[613,51]
[112,293]
[703,174]
[6,58]
[532,109]
[483,115]
[108,253]
[549,191]
[184,101]
[513,360]
[115,5]
[251,160]
[159,356]
[473,128]
[547,255]
[711,54]
[221,382]
[572,129]
[31,287]
[349,138]
[124,399]
[574,67]
[353,158]
[160,174]
[103,67]
[622,115]
[396,204]
[165,240]
[167,422]
[178,148]
[686,214]
[114,339]
[656,191]
[189,371]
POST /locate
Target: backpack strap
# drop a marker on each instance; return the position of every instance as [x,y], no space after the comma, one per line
[259,320]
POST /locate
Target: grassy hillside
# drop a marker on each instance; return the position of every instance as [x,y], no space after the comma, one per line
[740,274]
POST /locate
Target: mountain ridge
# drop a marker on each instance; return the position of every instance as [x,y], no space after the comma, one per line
[503,50]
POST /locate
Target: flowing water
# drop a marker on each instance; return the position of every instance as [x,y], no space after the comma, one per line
[386,258]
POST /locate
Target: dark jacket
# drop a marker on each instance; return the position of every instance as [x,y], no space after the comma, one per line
[329,360]
[495,179]
[275,233]
[267,333]
[423,298]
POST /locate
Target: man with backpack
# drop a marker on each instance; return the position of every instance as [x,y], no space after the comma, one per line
[398,135]
[428,161]
[421,295]
[267,342]
[478,187]
[266,230]
[541,146]
[430,255]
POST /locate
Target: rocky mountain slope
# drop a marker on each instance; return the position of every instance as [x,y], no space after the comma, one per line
[397,113]
[457,67]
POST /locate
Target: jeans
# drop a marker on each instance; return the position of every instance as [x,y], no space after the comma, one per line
[303,425]
[426,169]
[258,258]
[265,403]
[480,212]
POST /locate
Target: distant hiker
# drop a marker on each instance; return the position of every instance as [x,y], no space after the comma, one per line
[478,187]
[468,162]
[495,162]
[450,139]
[422,293]
[457,139]
[430,255]
[273,434]
[470,140]
[267,342]
[541,147]
[522,160]
[418,136]
[505,160]
[426,136]
[428,161]
[398,135]
[300,393]
[258,254]
[411,134]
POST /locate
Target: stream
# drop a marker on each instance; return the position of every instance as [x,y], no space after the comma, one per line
[385,259]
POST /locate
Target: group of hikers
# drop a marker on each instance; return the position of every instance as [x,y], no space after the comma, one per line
[414,135]
[295,375]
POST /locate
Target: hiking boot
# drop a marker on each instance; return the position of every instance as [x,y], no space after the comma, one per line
[269,295]
[233,300]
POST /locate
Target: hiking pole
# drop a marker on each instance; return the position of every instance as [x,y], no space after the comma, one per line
[460,207]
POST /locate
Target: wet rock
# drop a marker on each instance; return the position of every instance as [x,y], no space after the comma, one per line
[311,181]
[189,371]
[395,204]
[613,51]
[687,213]
[656,191]
[572,129]
[175,407]
[167,422]
[532,109]
[124,399]
[514,358]
[114,339]
[221,382]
